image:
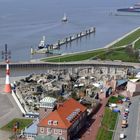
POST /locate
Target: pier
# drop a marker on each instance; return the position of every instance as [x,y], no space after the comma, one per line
[64,41]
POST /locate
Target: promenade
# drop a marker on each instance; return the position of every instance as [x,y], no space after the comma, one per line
[94,124]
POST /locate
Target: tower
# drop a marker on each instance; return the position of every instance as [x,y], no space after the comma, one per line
[7,87]
[6,55]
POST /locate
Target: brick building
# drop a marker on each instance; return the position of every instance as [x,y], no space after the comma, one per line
[64,122]
[133,87]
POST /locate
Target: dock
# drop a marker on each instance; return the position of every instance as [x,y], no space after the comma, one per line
[64,41]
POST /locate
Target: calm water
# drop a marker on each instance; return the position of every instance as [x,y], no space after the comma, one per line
[24,22]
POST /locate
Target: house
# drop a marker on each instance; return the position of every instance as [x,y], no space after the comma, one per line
[47,105]
[31,131]
[64,122]
[133,87]
[121,84]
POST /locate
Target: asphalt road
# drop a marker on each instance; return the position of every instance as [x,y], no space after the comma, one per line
[132,131]
[8,111]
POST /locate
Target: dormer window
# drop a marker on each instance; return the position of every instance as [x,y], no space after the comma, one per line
[55,122]
[50,122]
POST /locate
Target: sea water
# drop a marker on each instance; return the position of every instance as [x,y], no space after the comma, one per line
[24,22]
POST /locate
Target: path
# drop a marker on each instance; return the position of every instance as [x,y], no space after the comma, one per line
[92,131]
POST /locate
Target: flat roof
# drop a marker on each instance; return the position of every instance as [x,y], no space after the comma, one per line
[32,129]
[48,100]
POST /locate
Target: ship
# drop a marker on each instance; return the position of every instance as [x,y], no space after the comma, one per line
[64,19]
[130,9]
[133,10]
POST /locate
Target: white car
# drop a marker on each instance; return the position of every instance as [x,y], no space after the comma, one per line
[127,110]
[122,136]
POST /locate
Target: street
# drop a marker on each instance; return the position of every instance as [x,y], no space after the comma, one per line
[8,111]
[132,130]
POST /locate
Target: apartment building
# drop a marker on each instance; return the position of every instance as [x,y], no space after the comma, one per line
[64,122]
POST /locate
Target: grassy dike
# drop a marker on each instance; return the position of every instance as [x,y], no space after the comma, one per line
[113,52]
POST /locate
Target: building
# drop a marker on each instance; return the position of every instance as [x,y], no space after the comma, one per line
[47,105]
[133,87]
[31,131]
[64,122]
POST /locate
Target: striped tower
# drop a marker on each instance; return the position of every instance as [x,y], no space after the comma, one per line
[7,88]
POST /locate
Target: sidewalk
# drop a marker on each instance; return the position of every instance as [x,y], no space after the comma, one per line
[92,131]
[4,135]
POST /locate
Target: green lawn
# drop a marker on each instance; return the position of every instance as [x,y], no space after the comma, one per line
[104,134]
[113,99]
[75,57]
[128,39]
[104,54]
[22,124]
[137,44]
[111,53]
[107,124]
[119,54]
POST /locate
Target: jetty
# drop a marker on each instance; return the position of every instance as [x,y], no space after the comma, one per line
[64,41]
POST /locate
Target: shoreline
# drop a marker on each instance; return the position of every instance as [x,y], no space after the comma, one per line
[88,51]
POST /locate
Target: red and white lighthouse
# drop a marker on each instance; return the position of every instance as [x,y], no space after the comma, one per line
[7,88]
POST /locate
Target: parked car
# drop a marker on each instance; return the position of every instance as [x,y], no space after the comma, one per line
[124,123]
[125,114]
[125,117]
[126,110]
[122,136]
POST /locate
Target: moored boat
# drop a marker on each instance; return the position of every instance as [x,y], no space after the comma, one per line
[42,44]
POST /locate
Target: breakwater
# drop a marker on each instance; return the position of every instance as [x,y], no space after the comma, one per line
[64,41]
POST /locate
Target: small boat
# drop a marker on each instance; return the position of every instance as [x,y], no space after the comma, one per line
[64,19]
[42,44]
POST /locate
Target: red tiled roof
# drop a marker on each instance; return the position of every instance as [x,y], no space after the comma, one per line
[61,114]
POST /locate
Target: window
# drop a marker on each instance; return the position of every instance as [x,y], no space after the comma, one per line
[50,122]
[49,131]
[55,122]
[55,131]
[41,129]
[58,131]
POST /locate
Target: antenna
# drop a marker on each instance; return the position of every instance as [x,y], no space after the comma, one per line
[6,54]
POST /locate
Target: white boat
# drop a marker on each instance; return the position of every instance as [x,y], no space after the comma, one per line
[64,19]
[42,43]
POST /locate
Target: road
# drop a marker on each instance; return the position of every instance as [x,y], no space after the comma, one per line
[132,131]
[132,119]
[8,111]
[138,126]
